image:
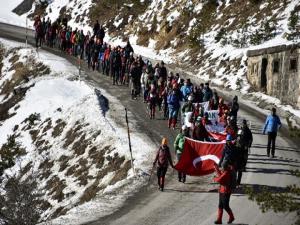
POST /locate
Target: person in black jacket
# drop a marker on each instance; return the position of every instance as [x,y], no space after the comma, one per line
[163,71]
[101,34]
[135,76]
[234,107]
[96,27]
[243,143]
[229,153]
[128,50]
[163,159]
[117,66]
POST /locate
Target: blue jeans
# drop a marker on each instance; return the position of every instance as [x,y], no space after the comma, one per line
[173,112]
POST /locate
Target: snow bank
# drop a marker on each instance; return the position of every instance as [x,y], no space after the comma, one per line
[59,96]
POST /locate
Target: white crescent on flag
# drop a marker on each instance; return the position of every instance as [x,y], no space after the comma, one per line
[205,157]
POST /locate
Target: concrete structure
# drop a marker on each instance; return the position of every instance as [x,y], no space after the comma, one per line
[276,72]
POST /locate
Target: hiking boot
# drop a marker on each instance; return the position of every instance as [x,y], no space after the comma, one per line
[231,217]
[220,215]
[230,221]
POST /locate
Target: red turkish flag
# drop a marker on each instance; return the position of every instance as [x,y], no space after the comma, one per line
[218,136]
[198,158]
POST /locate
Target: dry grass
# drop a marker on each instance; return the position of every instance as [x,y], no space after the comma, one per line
[90,192]
[80,146]
[72,134]
[121,174]
[56,187]
[25,169]
[59,212]
[45,168]
[58,129]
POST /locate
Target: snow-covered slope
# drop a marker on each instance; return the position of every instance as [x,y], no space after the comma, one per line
[79,154]
[214,36]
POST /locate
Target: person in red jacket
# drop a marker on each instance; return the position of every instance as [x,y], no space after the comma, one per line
[224,178]
[163,158]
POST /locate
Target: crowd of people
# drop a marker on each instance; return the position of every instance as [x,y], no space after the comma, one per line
[168,93]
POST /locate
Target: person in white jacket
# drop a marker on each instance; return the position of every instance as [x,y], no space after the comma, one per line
[144,84]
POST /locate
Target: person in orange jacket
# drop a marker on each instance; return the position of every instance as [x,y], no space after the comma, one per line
[224,178]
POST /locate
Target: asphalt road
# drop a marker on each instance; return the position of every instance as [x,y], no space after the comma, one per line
[196,201]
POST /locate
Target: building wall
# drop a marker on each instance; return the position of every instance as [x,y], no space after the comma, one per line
[283,83]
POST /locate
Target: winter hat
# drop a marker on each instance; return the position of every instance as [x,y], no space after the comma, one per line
[190,98]
[184,127]
[164,141]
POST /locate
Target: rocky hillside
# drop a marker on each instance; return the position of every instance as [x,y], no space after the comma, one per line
[211,35]
[58,133]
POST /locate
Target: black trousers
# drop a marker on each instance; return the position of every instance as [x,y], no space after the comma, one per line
[271,142]
[239,177]
[161,173]
[224,201]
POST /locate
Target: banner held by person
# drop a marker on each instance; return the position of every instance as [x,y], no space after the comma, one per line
[198,158]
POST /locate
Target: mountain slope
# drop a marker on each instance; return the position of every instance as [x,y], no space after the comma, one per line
[63,133]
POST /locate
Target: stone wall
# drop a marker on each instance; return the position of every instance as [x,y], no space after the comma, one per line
[282,81]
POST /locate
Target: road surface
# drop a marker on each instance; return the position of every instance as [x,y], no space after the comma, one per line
[196,201]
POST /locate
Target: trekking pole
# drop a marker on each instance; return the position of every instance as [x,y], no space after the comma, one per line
[129,141]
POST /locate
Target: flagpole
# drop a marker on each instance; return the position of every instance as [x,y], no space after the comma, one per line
[129,141]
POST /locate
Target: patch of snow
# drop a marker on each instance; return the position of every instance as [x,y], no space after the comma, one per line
[78,102]
[7,16]
[173,16]
[118,22]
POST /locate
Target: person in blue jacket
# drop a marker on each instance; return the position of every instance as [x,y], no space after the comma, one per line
[186,89]
[272,125]
[173,101]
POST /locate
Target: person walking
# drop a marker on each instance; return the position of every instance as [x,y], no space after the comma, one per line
[173,101]
[224,178]
[178,146]
[229,153]
[162,159]
[271,126]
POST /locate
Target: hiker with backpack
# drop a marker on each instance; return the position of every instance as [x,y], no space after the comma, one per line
[226,178]
[162,160]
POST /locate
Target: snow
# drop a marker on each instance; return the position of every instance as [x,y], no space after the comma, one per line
[78,102]
[141,50]
[173,16]
[118,22]
[7,16]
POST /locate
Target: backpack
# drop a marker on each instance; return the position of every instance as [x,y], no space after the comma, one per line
[163,155]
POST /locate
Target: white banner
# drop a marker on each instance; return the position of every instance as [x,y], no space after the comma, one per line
[187,118]
[204,105]
[213,116]
[219,128]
